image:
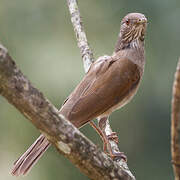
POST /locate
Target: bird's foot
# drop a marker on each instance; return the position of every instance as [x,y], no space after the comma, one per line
[113,137]
[107,146]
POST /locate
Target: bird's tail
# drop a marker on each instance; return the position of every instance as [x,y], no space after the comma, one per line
[23,165]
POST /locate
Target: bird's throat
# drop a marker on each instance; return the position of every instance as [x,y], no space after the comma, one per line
[122,45]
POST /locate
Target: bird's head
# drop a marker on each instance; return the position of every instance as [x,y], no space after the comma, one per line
[133,26]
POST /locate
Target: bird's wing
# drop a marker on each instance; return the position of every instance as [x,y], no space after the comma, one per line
[106,84]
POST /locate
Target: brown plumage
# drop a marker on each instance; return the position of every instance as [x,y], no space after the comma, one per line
[109,84]
[101,90]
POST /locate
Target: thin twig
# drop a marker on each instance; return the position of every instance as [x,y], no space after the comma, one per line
[88,59]
[175,124]
[85,50]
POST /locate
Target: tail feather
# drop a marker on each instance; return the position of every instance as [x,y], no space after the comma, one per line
[23,165]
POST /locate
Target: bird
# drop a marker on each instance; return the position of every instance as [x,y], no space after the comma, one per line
[110,83]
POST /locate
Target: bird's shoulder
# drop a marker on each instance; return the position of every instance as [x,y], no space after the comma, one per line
[117,65]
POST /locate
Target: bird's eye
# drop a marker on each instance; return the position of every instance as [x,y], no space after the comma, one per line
[127,21]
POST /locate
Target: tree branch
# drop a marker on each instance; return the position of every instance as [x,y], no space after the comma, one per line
[175,124]
[68,140]
[88,59]
[85,50]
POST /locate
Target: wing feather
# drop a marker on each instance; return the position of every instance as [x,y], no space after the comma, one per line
[102,88]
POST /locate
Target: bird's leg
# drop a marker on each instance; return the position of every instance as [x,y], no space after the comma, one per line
[107,138]
[111,139]
[101,134]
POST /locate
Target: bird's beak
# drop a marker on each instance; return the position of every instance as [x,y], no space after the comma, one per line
[142,20]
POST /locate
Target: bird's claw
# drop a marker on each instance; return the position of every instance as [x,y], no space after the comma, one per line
[113,137]
[118,155]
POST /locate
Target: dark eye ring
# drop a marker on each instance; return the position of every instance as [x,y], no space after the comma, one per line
[127,22]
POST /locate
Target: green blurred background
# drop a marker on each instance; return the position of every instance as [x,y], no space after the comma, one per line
[39,36]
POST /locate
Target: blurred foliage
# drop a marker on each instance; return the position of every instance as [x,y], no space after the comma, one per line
[39,36]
